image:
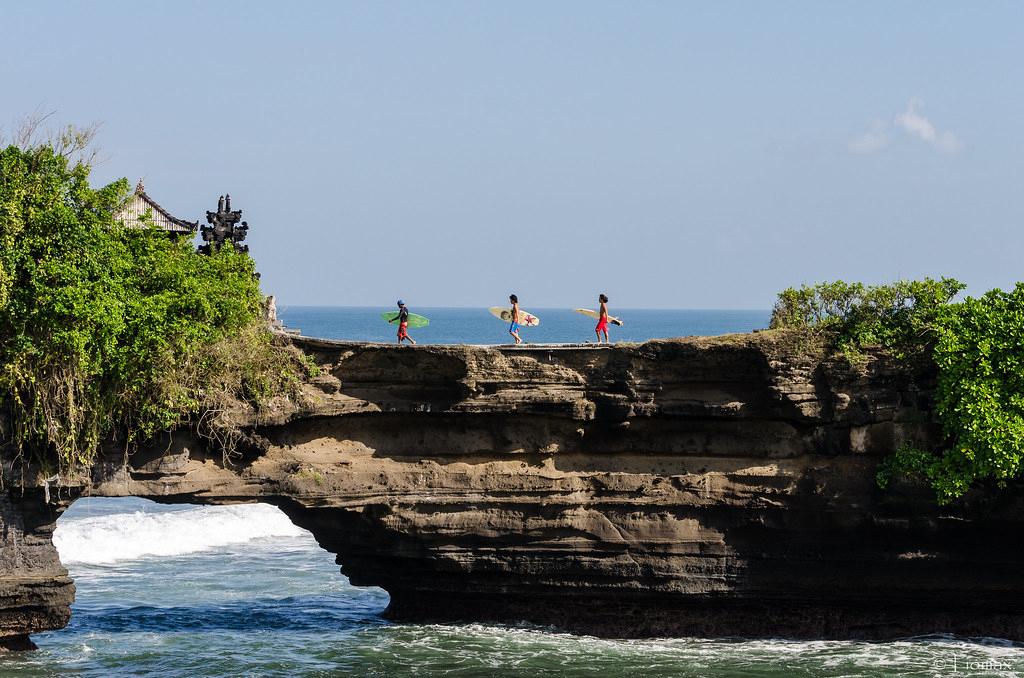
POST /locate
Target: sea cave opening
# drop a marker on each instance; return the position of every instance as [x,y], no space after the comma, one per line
[147,572]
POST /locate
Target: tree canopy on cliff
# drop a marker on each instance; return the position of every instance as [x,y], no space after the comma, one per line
[902,316]
[978,346]
[979,349]
[108,332]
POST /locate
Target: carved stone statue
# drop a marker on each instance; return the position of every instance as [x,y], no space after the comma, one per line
[224,228]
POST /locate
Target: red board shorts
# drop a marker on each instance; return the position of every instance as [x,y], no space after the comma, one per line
[403,330]
[602,325]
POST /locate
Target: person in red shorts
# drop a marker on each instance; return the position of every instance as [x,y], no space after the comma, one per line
[403,323]
[602,321]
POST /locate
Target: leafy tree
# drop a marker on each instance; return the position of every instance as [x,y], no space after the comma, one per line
[901,315]
[978,347]
[980,398]
[110,332]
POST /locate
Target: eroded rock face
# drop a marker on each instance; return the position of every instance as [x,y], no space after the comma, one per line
[35,589]
[718,486]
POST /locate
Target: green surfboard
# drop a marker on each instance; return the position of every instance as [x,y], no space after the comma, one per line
[415,320]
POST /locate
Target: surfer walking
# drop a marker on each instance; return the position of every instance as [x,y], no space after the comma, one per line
[513,329]
[602,320]
[403,323]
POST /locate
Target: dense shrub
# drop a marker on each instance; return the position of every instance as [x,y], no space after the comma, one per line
[107,331]
[978,346]
[901,315]
[979,350]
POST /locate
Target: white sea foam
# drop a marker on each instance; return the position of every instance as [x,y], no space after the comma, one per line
[127,536]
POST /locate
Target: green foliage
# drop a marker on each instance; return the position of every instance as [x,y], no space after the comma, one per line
[978,346]
[900,316]
[105,331]
[980,397]
[309,366]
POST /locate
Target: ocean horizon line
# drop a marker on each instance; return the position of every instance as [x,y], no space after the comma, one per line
[281,306]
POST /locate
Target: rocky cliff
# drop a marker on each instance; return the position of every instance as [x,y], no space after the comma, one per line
[717,486]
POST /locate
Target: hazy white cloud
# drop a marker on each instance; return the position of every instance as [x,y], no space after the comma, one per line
[874,139]
[911,121]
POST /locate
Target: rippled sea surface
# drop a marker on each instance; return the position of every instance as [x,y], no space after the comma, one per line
[239,591]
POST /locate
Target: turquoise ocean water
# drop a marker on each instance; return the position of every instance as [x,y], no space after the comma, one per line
[239,591]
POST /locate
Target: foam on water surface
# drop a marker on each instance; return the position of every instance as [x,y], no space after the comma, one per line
[116,537]
[242,594]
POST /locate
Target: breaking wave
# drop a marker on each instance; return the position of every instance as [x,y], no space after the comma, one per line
[128,536]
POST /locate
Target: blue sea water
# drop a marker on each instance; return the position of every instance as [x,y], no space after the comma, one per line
[184,591]
[478,326]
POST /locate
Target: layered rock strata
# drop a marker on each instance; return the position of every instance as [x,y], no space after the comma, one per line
[710,486]
[35,589]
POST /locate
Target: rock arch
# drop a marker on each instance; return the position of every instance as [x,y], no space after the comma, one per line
[700,486]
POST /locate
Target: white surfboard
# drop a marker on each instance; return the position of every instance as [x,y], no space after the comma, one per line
[597,315]
[526,319]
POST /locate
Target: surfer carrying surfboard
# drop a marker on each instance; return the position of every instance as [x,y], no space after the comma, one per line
[403,323]
[513,329]
[602,320]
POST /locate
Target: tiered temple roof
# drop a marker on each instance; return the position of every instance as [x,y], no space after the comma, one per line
[139,204]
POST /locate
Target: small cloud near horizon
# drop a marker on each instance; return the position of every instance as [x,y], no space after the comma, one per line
[911,121]
[915,124]
[874,139]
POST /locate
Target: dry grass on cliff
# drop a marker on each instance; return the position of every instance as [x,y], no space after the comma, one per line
[778,342]
[238,380]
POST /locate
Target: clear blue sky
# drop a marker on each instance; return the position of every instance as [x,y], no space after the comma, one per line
[685,155]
